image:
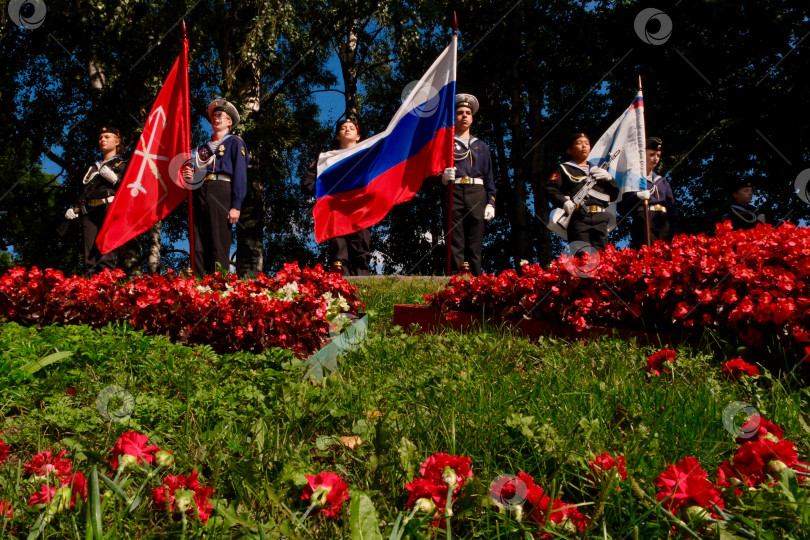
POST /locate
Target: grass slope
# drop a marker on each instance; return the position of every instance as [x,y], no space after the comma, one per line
[253,427]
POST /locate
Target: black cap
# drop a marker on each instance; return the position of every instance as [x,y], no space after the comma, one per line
[653,143]
[740,183]
[109,129]
[574,137]
[345,120]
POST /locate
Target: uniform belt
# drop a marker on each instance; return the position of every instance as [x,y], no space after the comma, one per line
[592,209]
[658,208]
[469,180]
[218,176]
[99,202]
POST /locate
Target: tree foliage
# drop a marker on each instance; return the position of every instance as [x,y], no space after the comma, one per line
[724,91]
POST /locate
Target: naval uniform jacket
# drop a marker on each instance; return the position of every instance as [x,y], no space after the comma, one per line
[231,158]
[660,193]
[742,216]
[476,164]
[568,178]
[98,187]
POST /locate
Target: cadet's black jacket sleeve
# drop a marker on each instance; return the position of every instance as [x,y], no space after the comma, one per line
[554,187]
[308,180]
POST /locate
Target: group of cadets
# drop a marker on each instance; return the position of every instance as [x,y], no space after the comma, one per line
[221,165]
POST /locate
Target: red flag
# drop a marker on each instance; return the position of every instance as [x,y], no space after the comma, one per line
[153,185]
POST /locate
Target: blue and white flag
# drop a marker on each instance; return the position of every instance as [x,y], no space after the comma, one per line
[626,134]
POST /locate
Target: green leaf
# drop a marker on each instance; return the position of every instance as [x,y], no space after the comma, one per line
[94,508]
[36,365]
[363,521]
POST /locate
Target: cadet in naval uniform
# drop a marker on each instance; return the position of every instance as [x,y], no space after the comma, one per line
[100,184]
[350,250]
[661,203]
[473,189]
[218,200]
[589,220]
[741,213]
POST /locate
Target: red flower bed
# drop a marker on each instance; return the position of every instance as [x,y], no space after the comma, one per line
[753,284]
[290,310]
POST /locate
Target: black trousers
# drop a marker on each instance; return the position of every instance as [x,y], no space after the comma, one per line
[660,228]
[352,250]
[212,232]
[94,261]
[589,228]
[469,202]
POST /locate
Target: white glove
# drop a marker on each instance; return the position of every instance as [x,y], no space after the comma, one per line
[449,175]
[108,174]
[600,174]
[569,207]
[643,195]
[761,218]
[70,214]
[489,213]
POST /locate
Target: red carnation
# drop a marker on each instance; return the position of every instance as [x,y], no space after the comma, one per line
[179,492]
[133,444]
[6,511]
[736,368]
[4,450]
[684,485]
[44,464]
[78,486]
[327,491]
[757,459]
[728,476]
[436,467]
[43,496]
[757,427]
[601,464]
[656,361]
[421,488]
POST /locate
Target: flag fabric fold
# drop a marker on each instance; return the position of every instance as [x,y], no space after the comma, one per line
[626,134]
[357,187]
[152,185]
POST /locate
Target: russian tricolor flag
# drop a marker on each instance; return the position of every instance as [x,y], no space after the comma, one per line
[358,186]
[627,134]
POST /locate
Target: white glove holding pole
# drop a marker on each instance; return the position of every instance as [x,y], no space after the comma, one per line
[600,174]
[70,214]
[108,174]
[449,175]
[569,207]
[643,195]
[761,218]
[489,213]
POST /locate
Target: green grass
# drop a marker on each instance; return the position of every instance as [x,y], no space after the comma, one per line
[253,426]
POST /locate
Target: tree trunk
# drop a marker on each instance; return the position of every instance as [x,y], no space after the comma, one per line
[153,248]
[538,175]
[520,225]
[129,258]
[347,54]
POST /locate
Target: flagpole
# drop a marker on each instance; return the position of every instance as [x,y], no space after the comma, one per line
[449,235]
[190,199]
[647,233]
